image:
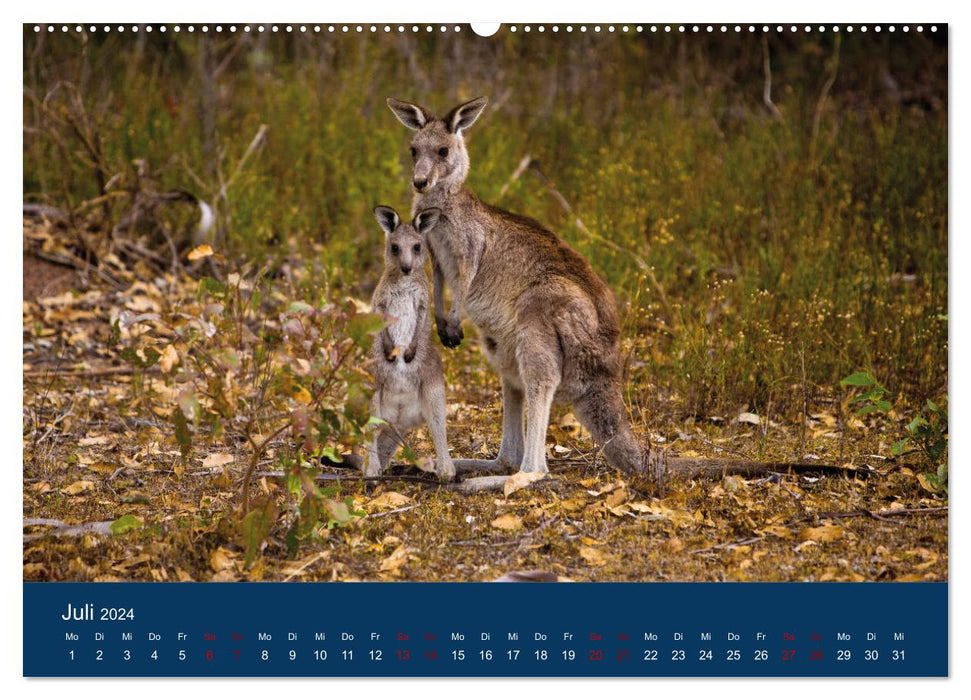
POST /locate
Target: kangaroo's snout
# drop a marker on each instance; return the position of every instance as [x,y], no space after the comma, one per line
[406,269]
[420,184]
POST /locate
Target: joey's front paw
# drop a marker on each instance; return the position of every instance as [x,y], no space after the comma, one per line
[410,354]
[450,333]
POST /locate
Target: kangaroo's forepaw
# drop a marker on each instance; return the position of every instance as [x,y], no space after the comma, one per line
[450,334]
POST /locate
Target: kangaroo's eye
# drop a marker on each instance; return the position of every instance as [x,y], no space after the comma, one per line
[417,248]
[414,152]
[443,152]
[395,249]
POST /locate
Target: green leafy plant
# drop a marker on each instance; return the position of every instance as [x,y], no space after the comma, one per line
[256,370]
[874,398]
[927,435]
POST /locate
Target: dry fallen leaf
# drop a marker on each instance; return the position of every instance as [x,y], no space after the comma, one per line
[301,395]
[399,557]
[217,459]
[169,358]
[593,556]
[200,252]
[388,500]
[508,521]
[221,559]
[521,480]
[93,440]
[617,497]
[778,531]
[77,488]
[823,533]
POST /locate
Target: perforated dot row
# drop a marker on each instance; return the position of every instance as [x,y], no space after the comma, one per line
[428,28]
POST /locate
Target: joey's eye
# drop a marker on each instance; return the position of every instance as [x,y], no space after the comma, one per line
[414,152]
[395,249]
[443,152]
[417,247]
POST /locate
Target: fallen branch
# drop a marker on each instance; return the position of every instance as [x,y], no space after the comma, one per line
[884,515]
[62,529]
[93,372]
[483,543]
[728,545]
[392,512]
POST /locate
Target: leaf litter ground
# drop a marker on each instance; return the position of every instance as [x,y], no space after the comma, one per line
[107,496]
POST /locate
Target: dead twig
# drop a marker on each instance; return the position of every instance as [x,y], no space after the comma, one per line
[727,545]
[883,515]
[392,512]
[821,102]
[520,169]
[304,567]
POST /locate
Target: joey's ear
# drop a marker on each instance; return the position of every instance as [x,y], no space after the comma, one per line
[426,219]
[464,116]
[388,219]
[412,116]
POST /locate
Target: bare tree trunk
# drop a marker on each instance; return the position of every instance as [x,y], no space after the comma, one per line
[207,106]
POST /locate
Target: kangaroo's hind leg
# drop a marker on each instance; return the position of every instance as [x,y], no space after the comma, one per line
[541,369]
[434,414]
[511,448]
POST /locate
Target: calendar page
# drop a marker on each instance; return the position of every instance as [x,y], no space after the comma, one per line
[512,350]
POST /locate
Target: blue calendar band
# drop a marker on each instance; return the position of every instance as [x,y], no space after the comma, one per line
[485,629]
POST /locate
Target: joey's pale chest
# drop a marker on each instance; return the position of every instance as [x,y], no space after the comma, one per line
[404,309]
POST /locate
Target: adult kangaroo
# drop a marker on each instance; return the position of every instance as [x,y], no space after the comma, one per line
[547,322]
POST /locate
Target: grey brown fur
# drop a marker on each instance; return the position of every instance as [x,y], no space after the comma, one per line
[547,322]
[409,384]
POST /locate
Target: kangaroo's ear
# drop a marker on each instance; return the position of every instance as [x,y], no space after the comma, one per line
[388,219]
[464,116]
[426,219]
[412,116]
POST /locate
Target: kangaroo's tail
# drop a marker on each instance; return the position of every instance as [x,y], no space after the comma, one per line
[601,411]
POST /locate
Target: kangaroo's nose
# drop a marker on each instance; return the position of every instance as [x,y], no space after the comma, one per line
[406,269]
[420,184]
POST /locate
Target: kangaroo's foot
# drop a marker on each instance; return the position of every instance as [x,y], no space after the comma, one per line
[445,469]
[492,466]
[480,484]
